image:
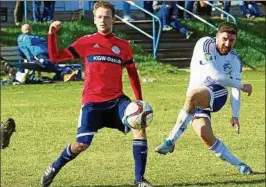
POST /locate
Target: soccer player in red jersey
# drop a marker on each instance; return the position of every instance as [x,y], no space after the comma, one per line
[103,101]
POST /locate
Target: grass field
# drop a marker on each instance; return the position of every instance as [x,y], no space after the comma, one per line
[47,115]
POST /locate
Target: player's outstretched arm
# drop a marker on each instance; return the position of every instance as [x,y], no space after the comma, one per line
[56,55]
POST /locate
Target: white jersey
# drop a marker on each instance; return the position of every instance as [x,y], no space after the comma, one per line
[208,66]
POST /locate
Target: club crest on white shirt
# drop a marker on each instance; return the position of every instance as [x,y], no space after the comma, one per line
[116,50]
[227,67]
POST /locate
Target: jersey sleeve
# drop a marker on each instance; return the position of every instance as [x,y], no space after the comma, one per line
[128,59]
[132,73]
[77,48]
[236,75]
[235,102]
[56,55]
[206,49]
[236,72]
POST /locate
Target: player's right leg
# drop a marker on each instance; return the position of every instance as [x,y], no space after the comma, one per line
[139,147]
[87,127]
[196,98]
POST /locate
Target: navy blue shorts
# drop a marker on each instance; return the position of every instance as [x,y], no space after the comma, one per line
[218,99]
[94,116]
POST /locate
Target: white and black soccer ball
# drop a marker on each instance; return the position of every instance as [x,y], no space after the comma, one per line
[138,114]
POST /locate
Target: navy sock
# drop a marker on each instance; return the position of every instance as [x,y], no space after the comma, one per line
[140,149]
[65,157]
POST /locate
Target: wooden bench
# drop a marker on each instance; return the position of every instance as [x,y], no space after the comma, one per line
[13,56]
[3,14]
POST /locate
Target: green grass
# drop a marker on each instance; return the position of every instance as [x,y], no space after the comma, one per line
[47,115]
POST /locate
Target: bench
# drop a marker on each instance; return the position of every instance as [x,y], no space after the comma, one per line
[3,14]
[13,56]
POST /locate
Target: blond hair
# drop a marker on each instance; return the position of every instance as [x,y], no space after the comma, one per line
[104,4]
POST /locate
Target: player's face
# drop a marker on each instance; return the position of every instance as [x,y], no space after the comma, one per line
[225,42]
[103,20]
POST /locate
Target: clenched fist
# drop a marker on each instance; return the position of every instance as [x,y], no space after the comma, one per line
[55,27]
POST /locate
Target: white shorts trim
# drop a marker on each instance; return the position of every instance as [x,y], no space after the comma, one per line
[211,99]
[85,134]
[202,116]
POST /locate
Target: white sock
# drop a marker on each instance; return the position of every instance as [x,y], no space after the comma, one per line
[224,153]
[181,125]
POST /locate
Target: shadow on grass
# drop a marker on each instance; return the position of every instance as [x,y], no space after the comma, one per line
[223,183]
[251,182]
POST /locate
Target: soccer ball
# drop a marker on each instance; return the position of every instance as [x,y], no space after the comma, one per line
[138,114]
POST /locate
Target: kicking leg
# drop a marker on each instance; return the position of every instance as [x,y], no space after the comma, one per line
[202,127]
[197,98]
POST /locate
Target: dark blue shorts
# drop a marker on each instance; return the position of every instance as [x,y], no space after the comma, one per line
[94,116]
[218,99]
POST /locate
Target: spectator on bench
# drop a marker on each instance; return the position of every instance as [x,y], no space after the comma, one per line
[126,11]
[250,9]
[163,10]
[35,49]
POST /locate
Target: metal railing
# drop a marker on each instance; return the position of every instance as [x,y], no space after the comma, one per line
[228,15]
[25,10]
[155,36]
[205,21]
[196,16]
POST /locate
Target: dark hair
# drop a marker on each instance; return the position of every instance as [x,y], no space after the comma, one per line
[228,27]
[104,4]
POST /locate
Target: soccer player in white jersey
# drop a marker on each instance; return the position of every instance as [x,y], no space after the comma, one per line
[214,67]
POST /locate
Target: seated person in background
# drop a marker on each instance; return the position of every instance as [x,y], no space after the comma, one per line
[163,11]
[203,9]
[126,11]
[34,48]
[254,9]
[250,9]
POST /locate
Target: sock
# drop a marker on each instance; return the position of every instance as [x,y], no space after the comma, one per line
[181,125]
[224,153]
[65,157]
[140,150]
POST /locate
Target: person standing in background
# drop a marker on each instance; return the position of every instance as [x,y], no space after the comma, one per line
[48,11]
[19,12]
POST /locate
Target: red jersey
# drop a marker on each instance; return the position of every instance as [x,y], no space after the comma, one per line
[104,57]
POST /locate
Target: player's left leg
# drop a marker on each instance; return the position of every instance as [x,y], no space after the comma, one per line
[202,127]
[200,97]
[140,146]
